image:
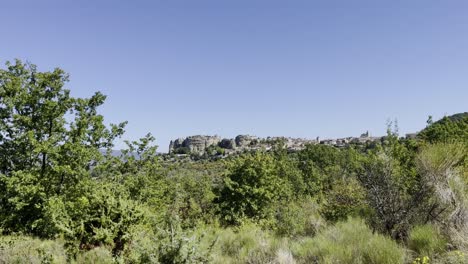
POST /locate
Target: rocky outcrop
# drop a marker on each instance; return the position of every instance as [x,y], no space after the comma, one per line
[245,140]
[199,144]
[193,144]
[227,143]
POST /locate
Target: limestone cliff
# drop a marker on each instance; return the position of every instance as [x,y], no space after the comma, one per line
[200,143]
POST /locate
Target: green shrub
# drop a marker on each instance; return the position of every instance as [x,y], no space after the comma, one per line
[426,240]
[19,250]
[182,150]
[100,216]
[251,188]
[298,219]
[346,198]
[176,245]
[245,244]
[449,128]
[349,242]
[143,248]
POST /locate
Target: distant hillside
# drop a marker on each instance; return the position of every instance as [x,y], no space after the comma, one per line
[449,128]
[460,117]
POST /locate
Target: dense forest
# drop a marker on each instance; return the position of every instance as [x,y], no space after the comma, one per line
[65,198]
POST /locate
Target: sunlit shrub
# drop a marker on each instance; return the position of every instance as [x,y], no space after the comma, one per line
[298,219]
[346,198]
[248,244]
[143,248]
[31,250]
[349,242]
[101,216]
[426,240]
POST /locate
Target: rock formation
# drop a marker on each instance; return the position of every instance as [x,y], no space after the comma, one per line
[193,144]
[199,144]
[245,140]
[227,143]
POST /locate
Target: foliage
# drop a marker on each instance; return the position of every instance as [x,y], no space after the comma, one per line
[298,218]
[423,260]
[176,246]
[442,167]
[426,240]
[99,255]
[214,150]
[48,143]
[101,215]
[448,129]
[15,249]
[322,165]
[453,257]
[66,198]
[245,244]
[182,150]
[349,242]
[346,198]
[251,186]
[397,194]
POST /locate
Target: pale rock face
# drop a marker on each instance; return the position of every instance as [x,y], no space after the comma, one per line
[178,143]
[244,140]
[196,144]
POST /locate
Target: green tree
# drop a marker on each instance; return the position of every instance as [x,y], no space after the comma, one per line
[345,199]
[399,195]
[251,187]
[448,129]
[49,141]
[322,165]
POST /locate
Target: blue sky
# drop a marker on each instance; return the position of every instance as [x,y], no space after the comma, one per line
[267,68]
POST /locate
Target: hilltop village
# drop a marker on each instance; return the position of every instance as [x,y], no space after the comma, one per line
[216,146]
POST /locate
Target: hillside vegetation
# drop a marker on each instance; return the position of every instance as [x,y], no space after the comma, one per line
[65,198]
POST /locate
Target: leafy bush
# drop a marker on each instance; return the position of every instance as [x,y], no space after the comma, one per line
[191,198]
[143,248]
[178,246]
[346,198]
[448,129]
[251,187]
[322,165]
[101,215]
[49,140]
[182,150]
[395,191]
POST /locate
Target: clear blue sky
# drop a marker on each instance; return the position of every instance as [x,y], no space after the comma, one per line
[268,68]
